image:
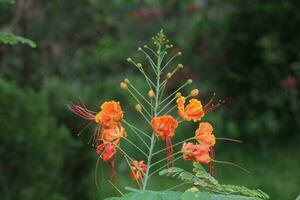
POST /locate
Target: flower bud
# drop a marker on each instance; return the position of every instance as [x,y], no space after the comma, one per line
[194,92]
[169,75]
[139,65]
[123,85]
[126,80]
[180,65]
[179,53]
[151,94]
[138,107]
[139,49]
[190,81]
[178,94]
[129,59]
[194,189]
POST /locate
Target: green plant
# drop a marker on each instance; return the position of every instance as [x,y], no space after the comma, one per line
[158,111]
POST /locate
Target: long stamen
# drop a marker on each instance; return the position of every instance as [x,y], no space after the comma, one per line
[174,145]
[164,159]
[84,128]
[210,106]
[229,139]
[233,164]
[96,169]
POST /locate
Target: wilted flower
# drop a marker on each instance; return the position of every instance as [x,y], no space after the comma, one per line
[107,151]
[113,134]
[138,169]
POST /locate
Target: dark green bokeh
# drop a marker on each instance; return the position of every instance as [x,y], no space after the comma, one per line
[245,51]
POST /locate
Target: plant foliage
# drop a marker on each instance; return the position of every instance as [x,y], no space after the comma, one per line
[11,39]
[205,181]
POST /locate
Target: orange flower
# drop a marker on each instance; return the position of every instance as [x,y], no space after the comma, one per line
[164,126]
[204,134]
[107,151]
[196,152]
[192,111]
[138,169]
[110,115]
[113,134]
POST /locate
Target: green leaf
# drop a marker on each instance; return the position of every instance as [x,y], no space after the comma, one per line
[11,39]
[149,195]
[196,196]
[7,1]
[169,195]
[202,174]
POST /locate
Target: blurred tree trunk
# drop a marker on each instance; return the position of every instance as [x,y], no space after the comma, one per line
[28,14]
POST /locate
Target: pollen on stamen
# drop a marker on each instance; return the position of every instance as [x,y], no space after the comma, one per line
[211,105]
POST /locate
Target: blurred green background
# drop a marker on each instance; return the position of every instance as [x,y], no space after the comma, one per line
[248,52]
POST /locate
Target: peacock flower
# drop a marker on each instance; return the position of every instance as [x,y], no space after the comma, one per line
[164,128]
[196,152]
[192,111]
[204,134]
[110,115]
[113,134]
[138,170]
[107,151]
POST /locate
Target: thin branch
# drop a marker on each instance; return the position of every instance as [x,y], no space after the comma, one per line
[163,167]
[136,90]
[157,162]
[174,145]
[138,101]
[138,135]
[139,130]
[186,83]
[130,142]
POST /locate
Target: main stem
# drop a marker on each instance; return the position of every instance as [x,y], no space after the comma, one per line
[156,105]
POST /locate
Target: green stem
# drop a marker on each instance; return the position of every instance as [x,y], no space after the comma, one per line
[153,139]
[162,167]
[139,130]
[174,145]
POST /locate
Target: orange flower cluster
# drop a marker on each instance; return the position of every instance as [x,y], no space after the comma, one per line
[138,169]
[196,152]
[110,130]
[200,152]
